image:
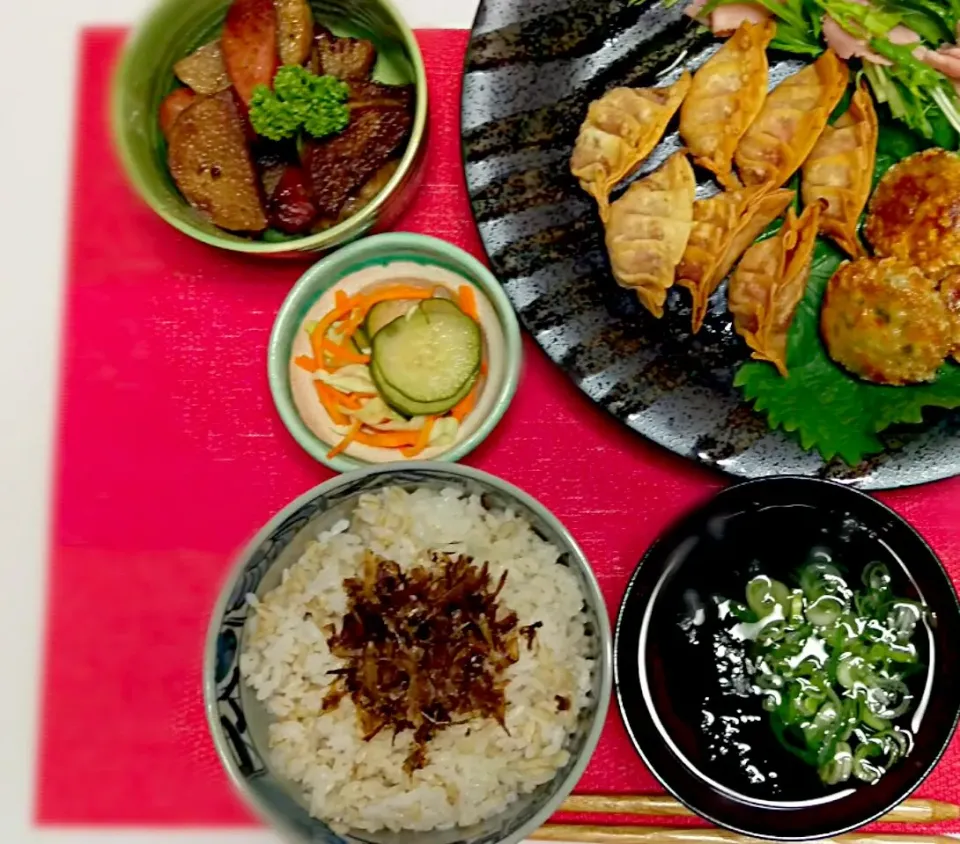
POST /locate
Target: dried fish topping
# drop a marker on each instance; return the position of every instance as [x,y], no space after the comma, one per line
[425,648]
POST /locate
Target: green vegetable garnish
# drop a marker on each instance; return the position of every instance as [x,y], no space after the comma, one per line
[299,100]
[798,29]
[917,94]
[830,663]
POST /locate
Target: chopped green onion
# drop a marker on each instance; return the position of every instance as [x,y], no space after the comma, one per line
[862,768]
[831,663]
[876,576]
[839,768]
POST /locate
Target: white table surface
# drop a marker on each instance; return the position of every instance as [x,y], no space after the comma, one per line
[38,40]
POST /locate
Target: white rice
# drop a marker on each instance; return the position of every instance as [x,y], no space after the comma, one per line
[473,771]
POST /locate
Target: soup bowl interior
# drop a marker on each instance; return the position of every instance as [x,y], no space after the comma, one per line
[683,683]
[239,722]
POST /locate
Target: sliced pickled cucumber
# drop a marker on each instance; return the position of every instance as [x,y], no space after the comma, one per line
[383,313]
[440,306]
[361,339]
[408,407]
[430,354]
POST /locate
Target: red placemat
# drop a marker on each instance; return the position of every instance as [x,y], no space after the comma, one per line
[171,456]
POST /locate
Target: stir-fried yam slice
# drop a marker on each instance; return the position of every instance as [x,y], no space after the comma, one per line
[339,165]
[349,59]
[173,105]
[839,172]
[369,190]
[725,98]
[769,283]
[366,94]
[621,129]
[294,30]
[204,70]
[209,160]
[648,229]
[723,227]
[790,122]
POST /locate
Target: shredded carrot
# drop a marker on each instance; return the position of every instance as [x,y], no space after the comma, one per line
[398,291]
[423,440]
[342,353]
[385,294]
[466,404]
[468,302]
[306,362]
[389,439]
[483,367]
[327,397]
[349,401]
[356,319]
[353,311]
[319,333]
[348,438]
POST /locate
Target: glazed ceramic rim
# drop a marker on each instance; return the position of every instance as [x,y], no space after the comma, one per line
[593,596]
[352,227]
[680,526]
[327,272]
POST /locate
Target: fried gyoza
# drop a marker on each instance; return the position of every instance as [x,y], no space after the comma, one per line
[915,212]
[621,129]
[769,284]
[648,229]
[886,322]
[726,96]
[790,122]
[839,172]
[723,227]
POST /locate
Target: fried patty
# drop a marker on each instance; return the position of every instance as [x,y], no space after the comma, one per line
[915,212]
[886,322]
[950,290]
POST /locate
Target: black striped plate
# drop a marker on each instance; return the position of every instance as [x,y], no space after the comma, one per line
[533,68]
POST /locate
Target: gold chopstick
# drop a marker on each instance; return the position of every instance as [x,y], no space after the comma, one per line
[584,834]
[661,805]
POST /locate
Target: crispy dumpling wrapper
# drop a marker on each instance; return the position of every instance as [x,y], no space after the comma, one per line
[839,172]
[723,227]
[725,97]
[648,229]
[620,131]
[768,285]
[790,122]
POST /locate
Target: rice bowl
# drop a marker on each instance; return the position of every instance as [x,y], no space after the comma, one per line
[473,770]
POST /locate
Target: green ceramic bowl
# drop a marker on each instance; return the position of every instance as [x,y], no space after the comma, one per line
[144,77]
[402,254]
